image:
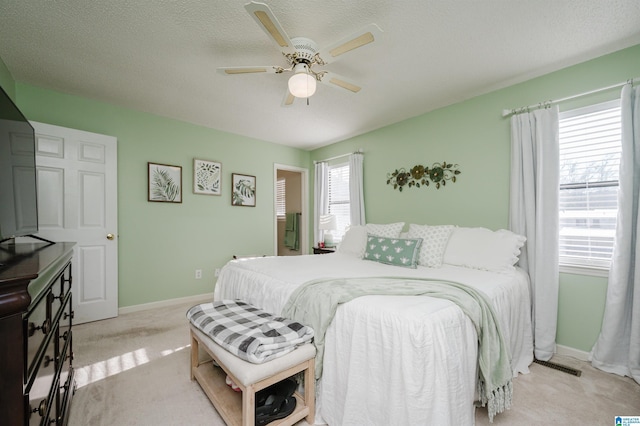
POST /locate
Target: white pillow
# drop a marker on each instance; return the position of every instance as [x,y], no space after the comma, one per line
[354,242]
[388,230]
[482,248]
[434,241]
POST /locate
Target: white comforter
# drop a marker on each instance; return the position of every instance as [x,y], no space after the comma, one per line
[402,360]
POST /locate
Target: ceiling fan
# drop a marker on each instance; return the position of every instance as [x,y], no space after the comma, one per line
[302,54]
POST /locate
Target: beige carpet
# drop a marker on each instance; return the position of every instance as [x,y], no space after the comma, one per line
[134,370]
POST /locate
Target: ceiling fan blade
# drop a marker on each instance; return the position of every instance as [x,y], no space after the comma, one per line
[288,99]
[335,80]
[249,70]
[269,23]
[358,39]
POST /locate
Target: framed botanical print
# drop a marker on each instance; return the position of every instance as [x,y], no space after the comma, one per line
[164,183]
[207,177]
[243,190]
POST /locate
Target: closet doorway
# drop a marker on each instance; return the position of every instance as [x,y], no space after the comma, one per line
[290,210]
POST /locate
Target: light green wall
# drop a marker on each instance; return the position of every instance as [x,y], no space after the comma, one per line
[161,244]
[6,81]
[580,310]
[474,135]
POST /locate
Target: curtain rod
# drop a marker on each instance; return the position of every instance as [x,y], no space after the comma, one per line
[359,151]
[508,112]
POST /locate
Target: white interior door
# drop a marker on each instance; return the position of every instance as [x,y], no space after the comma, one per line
[77,201]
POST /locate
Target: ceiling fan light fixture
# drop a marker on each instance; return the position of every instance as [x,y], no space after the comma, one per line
[302,84]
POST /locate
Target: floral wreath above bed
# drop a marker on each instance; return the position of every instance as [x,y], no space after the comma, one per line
[420,175]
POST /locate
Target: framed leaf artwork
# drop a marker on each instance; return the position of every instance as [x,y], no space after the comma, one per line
[243,190]
[206,177]
[164,183]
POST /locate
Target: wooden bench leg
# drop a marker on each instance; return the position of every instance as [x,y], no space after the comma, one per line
[310,390]
[194,356]
[249,406]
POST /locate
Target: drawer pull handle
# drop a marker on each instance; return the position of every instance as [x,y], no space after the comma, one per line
[41,409]
[47,360]
[45,327]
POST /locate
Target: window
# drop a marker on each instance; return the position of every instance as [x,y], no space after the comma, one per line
[281,198]
[339,198]
[590,146]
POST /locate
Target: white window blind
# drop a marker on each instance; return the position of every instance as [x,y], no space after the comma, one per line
[339,198]
[281,198]
[590,148]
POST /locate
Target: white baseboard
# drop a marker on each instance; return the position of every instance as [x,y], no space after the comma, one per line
[572,352]
[200,298]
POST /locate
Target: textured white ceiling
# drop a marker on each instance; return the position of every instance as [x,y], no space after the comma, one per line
[160,56]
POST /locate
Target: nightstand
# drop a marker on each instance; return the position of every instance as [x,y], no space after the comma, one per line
[324,250]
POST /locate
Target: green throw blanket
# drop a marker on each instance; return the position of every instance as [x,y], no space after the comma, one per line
[315,303]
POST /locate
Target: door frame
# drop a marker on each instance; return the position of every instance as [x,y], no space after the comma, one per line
[304,196]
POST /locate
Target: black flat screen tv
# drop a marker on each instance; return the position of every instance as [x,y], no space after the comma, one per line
[18,192]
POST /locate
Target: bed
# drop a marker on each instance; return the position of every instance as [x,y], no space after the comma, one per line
[400,359]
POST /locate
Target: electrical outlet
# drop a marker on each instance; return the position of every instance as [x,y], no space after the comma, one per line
[217,271]
[198,274]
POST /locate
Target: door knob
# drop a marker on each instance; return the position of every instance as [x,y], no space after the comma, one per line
[110,236]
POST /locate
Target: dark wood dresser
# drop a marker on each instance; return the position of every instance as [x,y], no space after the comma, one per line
[36,370]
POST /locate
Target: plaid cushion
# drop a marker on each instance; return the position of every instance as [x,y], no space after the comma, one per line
[248,332]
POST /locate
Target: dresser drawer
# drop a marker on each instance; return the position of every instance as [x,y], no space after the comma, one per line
[39,393]
[66,383]
[60,288]
[65,321]
[37,326]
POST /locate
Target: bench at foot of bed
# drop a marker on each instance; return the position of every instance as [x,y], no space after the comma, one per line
[238,408]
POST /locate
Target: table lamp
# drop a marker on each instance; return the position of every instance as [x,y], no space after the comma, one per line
[327,224]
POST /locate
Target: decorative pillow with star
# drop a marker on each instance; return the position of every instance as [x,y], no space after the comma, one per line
[393,251]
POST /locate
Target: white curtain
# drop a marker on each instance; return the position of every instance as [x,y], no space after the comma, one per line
[533,212]
[617,349]
[321,199]
[356,188]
